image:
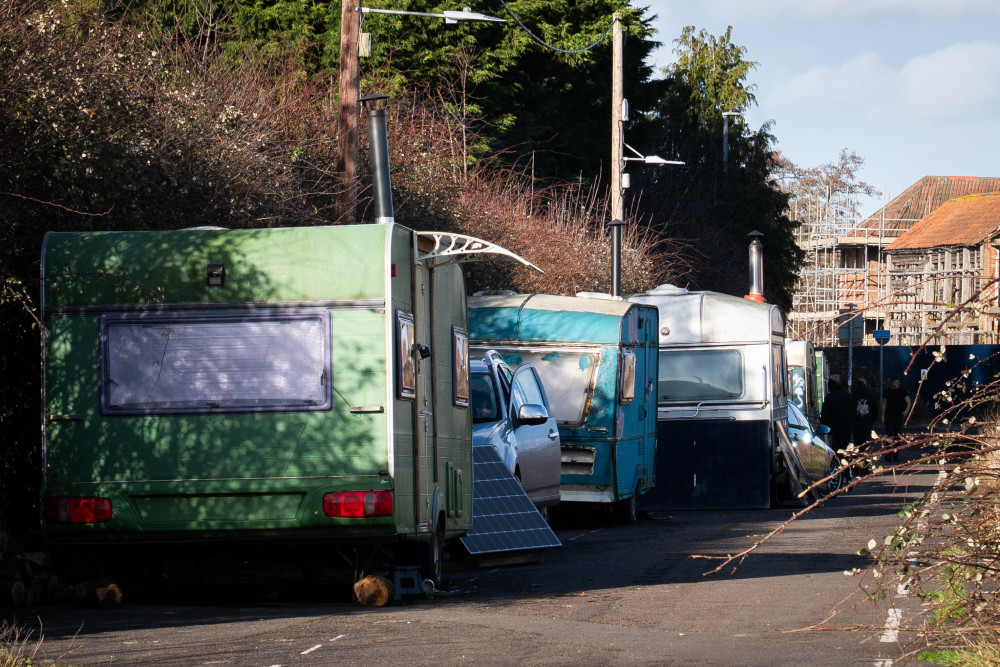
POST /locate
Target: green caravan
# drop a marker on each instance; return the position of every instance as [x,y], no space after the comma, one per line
[255,386]
[597,357]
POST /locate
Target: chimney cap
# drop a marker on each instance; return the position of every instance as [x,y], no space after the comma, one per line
[755,234]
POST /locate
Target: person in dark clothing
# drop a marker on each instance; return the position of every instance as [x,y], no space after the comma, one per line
[838,414]
[895,406]
[864,415]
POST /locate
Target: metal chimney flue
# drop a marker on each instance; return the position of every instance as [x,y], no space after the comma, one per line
[756,268]
[378,143]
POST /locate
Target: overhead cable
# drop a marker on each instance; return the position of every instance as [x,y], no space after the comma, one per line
[550,46]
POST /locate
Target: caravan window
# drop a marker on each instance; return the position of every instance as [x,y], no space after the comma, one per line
[568,377]
[460,366]
[779,370]
[210,363]
[406,363]
[700,375]
[627,379]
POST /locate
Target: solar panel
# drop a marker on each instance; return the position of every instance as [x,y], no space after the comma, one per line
[503,517]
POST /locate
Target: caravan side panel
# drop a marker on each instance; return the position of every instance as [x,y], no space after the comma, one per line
[712,463]
[219,469]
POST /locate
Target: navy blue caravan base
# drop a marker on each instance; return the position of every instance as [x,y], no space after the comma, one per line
[711,464]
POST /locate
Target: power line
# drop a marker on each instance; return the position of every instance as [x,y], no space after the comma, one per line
[550,46]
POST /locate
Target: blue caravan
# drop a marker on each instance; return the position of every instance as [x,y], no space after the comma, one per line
[597,358]
[721,397]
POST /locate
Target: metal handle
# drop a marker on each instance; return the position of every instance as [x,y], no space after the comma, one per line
[766,399]
[65,418]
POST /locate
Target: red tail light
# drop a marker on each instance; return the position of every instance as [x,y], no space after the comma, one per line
[77,510]
[358,503]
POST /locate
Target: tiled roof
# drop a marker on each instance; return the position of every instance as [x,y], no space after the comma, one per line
[964,220]
[924,196]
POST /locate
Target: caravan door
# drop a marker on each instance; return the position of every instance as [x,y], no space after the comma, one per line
[423,403]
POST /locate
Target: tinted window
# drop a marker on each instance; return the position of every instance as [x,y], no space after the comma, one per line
[484,398]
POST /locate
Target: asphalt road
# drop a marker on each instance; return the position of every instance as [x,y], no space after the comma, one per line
[611,595]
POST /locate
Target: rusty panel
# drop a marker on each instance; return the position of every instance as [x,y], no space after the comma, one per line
[923,197]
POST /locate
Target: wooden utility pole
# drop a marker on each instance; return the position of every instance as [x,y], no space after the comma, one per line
[617,158]
[350,73]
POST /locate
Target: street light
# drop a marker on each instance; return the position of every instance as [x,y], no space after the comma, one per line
[648,159]
[619,179]
[350,75]
[625,180]
[464,16]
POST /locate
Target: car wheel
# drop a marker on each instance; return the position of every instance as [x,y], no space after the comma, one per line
[837,479]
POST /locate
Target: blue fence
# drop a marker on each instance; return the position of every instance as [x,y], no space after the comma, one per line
[982,362]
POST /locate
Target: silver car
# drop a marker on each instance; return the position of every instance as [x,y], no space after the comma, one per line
[510,412]
[817,457]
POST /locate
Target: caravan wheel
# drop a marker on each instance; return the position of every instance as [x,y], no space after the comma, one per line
[431,556]
[782,487]
[626,510]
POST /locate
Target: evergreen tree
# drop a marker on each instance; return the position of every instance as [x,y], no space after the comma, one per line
[707,204]
[541,82]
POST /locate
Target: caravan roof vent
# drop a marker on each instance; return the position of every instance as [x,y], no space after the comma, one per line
[667,289]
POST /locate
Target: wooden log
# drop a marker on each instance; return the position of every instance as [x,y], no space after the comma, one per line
[34,595]
[58,590]
[39,558]
[100,593]
[33,563]
[108,596]
[18,593]
[81,592]
[374,591]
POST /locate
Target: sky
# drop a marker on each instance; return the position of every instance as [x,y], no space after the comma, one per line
[910,86]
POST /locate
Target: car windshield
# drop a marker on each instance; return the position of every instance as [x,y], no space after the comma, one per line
[483,398]
[796,418]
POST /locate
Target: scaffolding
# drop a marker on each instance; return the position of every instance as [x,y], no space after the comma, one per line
[945,294]
[846,264]
[844,268]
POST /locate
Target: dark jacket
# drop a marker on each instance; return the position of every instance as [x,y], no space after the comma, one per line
[838,414]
